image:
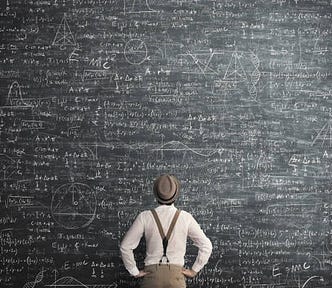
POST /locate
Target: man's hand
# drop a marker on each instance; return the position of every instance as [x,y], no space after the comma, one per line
[141,274]
[189,273]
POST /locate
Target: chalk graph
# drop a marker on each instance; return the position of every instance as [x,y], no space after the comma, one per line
[15,97]
[176,146]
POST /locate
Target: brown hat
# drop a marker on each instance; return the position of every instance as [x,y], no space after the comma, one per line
[166,188]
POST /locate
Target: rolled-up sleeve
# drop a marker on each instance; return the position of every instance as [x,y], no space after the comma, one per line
[202,242]
[130,243]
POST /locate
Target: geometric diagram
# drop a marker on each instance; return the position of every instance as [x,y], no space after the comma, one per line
[14,97]
[325,134]
[210,63]
[255,74]
[137,6]
[8,166]
[236,73]
[71,282]
[63,36]
[74,205]
[135,51]
[38,278]
[179,146]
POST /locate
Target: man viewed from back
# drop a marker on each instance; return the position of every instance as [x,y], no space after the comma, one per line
[166,230]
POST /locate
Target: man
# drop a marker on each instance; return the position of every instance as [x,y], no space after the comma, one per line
[165,253]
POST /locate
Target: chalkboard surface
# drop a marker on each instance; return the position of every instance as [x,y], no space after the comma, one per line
[99,97]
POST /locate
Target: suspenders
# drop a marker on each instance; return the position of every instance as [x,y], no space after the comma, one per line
[166,237]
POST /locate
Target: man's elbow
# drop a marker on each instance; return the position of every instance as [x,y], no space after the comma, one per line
[124,249]
[210,247]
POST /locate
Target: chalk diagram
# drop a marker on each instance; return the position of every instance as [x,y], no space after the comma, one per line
[7,167]
[15,98]
[137,6]
[71,282]
[64,37]
[135,51]
[39,277]
[324,135]
[74,205]
[66,282]
[242,67]
[179,146]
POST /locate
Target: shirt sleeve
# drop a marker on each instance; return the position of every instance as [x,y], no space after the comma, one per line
[130,243]
[203,243]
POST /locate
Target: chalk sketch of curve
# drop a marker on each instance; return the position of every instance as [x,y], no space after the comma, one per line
[67,281]
[64,37]
[324,135]
[15,98]
[320,278]
[137,6]
[71,282]
[74,205]
[179,146]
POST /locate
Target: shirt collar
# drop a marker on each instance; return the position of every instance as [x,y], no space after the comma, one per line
[166,207]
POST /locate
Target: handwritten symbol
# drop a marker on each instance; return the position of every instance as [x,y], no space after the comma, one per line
[39,278]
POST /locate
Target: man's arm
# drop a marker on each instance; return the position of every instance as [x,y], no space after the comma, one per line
[204,245]
[129,243]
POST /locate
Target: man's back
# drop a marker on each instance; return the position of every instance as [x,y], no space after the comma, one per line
[186,226]
[164,259]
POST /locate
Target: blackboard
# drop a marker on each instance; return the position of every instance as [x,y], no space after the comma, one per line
[99,97]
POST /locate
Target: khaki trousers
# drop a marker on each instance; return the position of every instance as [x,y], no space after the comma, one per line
[163,276]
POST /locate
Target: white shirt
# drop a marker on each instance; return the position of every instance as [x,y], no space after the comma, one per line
[186,226]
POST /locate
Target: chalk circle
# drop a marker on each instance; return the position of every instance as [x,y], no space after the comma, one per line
[135,51]
[74,205]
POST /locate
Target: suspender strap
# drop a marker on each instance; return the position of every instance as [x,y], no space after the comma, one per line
[169,232]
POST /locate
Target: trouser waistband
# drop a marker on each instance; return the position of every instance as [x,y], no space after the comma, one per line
[155,267]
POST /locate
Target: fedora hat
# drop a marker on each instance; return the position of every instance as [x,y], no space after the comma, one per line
[166,189]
